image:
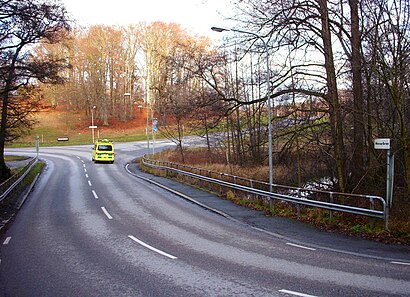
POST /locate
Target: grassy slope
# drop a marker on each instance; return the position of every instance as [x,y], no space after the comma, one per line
[58,123]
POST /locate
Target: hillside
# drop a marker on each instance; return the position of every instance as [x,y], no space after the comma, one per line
[54,123]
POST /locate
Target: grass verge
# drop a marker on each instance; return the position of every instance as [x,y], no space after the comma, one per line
[352,225]
[11,204]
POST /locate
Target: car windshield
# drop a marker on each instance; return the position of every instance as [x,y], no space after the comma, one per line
[105,147]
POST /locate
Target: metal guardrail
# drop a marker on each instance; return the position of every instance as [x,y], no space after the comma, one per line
[303,196]
[11,183]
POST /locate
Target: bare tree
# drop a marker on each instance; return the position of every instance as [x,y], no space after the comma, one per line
[23,24]
[387,47]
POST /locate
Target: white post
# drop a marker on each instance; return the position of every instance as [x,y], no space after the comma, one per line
[384,144]
[388,198]
[92,121]
[153,142]
[154,130]
[390,178]
[37,145]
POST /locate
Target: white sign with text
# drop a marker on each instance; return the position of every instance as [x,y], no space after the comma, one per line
[382,143]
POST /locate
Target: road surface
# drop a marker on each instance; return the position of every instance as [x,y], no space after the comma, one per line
[95,230]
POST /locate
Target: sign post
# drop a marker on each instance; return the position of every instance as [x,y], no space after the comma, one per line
[154,129]
[92,127]
[384,144]
[37,145]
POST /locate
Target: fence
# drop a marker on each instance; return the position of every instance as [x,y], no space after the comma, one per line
[366,205]
[9,185]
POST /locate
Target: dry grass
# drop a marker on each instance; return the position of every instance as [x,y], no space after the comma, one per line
[52,123]
[201,158]
[358,226]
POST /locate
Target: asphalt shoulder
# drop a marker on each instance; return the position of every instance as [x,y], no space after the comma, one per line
[287,229]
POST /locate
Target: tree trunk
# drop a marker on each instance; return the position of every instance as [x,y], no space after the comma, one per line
[208,143]
[336,122]
[4,170]
[358,112]
[180,137]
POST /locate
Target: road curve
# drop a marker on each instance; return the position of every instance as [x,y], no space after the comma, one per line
[94,230]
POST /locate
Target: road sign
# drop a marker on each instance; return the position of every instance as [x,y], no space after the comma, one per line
[382,143]
[92,127]
[65,138]
[154,125]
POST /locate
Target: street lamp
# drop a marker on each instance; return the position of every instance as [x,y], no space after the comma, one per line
[92,122]
[125,102]
[218,29]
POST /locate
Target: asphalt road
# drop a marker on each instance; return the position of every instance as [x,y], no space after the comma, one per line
[95,230]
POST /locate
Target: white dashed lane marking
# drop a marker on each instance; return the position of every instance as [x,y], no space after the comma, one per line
[151,248]
[400,263]
[301,246]
[106,213]
[296,293]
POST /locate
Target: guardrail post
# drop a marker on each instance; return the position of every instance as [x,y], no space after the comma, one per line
[298,205]
[220,186]
[331,201]
[371,203]
[371,200]
[209,183]
[252,195]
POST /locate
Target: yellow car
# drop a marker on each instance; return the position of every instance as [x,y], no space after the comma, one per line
[103,151]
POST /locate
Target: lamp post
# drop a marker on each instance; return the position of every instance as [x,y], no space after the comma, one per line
[147,127]
[218,29]
[125,104]
[92,121]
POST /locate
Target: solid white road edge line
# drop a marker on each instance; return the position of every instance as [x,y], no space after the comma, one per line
[106,213]
[296,293]
[151,248]
[7,240]
[95,194]
[400,263]
[301,246]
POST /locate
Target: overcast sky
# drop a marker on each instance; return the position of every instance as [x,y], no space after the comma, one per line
[196,16]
